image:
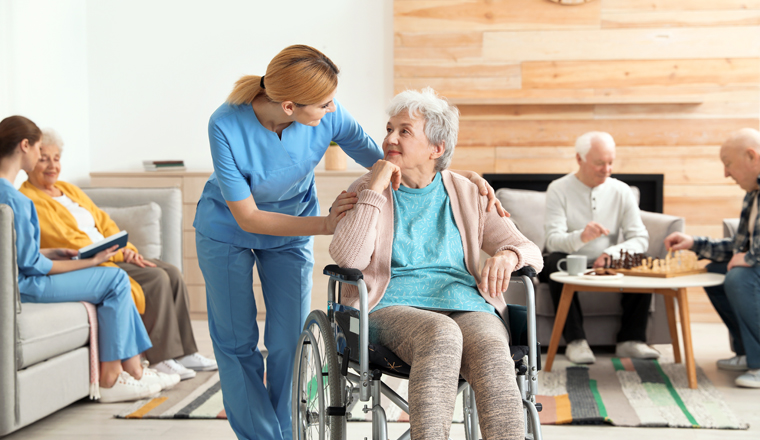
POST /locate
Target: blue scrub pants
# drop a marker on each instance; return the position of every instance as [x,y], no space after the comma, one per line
[254,410]
[121,333]
[737,302]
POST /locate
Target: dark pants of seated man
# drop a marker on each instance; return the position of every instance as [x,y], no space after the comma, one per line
[635,308]
[737,301]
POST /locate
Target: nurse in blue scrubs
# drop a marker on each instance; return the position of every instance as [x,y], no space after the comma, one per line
[50,275]
[259,208]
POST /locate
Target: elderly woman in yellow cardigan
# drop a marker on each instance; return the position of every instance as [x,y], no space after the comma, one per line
[69,219]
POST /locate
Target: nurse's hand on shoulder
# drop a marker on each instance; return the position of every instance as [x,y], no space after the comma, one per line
[342,204]
[384,173]
[486,190]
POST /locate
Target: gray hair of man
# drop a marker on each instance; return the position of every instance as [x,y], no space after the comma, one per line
[441,119]
[583,143]
[51,137]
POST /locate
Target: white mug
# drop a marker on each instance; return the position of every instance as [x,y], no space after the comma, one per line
[576,264]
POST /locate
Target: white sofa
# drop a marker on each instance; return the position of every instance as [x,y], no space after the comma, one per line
[44,348]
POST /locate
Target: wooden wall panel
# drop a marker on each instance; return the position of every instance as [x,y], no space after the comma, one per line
[634,132]
[426,15]
[741,109]
[617,20]
[623,44]
[678,5]
[636,73]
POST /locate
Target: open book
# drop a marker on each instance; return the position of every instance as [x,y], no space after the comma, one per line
[92,250]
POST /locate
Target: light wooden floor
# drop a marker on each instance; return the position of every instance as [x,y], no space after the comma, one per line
[91,421]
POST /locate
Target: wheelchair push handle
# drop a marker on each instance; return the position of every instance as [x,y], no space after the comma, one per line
[343,274]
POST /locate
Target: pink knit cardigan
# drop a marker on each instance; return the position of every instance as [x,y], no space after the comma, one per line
[364,238]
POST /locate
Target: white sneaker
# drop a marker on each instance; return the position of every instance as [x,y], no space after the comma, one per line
[198,362]
[170,366]
[736,363]
[579,352]
[165,380]
[635,349]
[127,389]
[750,379]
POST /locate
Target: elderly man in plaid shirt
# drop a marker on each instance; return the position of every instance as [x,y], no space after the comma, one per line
[738,299]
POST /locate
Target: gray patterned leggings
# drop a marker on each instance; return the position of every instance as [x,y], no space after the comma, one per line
[442,345]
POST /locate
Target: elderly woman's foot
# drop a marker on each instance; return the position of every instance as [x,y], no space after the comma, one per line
[198,362]
[126,389]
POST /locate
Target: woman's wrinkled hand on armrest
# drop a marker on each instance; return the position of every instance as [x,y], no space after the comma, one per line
[494,279]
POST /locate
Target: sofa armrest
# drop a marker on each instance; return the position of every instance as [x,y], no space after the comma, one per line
[730,225]
[170,201]
[9,307]
[660,226]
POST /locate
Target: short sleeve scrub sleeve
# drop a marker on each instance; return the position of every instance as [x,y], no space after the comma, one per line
[279,172]
[31,263]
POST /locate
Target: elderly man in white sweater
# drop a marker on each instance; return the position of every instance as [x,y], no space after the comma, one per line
[585,213]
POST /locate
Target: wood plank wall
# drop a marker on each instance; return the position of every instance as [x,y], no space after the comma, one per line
[669,79]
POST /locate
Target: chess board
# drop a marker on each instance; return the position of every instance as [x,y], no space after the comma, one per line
[637,273]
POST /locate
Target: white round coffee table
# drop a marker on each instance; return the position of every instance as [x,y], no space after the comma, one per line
[673,289]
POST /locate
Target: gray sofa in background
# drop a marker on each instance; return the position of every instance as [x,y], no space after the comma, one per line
[44,348]
[601,311]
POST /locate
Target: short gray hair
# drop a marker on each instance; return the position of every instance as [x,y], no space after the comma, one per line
[441,119]
[583,143]
[51,137]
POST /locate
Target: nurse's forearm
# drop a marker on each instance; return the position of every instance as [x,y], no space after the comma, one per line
[251,219]
[282,225]
[63,266]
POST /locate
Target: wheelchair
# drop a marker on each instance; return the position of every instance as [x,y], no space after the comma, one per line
[325,391]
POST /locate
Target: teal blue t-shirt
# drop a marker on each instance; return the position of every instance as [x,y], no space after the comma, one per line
[427,261]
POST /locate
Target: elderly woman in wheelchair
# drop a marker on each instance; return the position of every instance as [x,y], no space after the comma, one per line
[416,234]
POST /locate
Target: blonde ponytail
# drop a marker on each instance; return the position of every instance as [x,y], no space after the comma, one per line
[299,73]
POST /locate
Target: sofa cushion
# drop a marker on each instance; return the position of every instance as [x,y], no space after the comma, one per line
[527,211]
[48,330]
[143,222]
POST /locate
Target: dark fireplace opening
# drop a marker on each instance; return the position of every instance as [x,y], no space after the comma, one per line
[650,185]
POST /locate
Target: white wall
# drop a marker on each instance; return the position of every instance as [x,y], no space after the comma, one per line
[127,81]
[158,69]
[43,73]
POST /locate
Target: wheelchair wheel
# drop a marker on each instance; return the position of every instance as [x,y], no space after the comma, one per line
[317,383]
[471,422]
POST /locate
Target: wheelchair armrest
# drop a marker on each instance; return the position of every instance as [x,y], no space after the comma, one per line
[528,271]
[343,274]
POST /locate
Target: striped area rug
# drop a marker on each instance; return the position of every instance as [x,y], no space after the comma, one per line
[631,392]
[197,398]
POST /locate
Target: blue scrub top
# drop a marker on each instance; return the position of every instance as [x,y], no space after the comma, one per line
[31,264]
[279,173]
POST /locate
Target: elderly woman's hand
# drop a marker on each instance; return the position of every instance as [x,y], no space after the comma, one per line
[384,173]
[133,257]
[494,279]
